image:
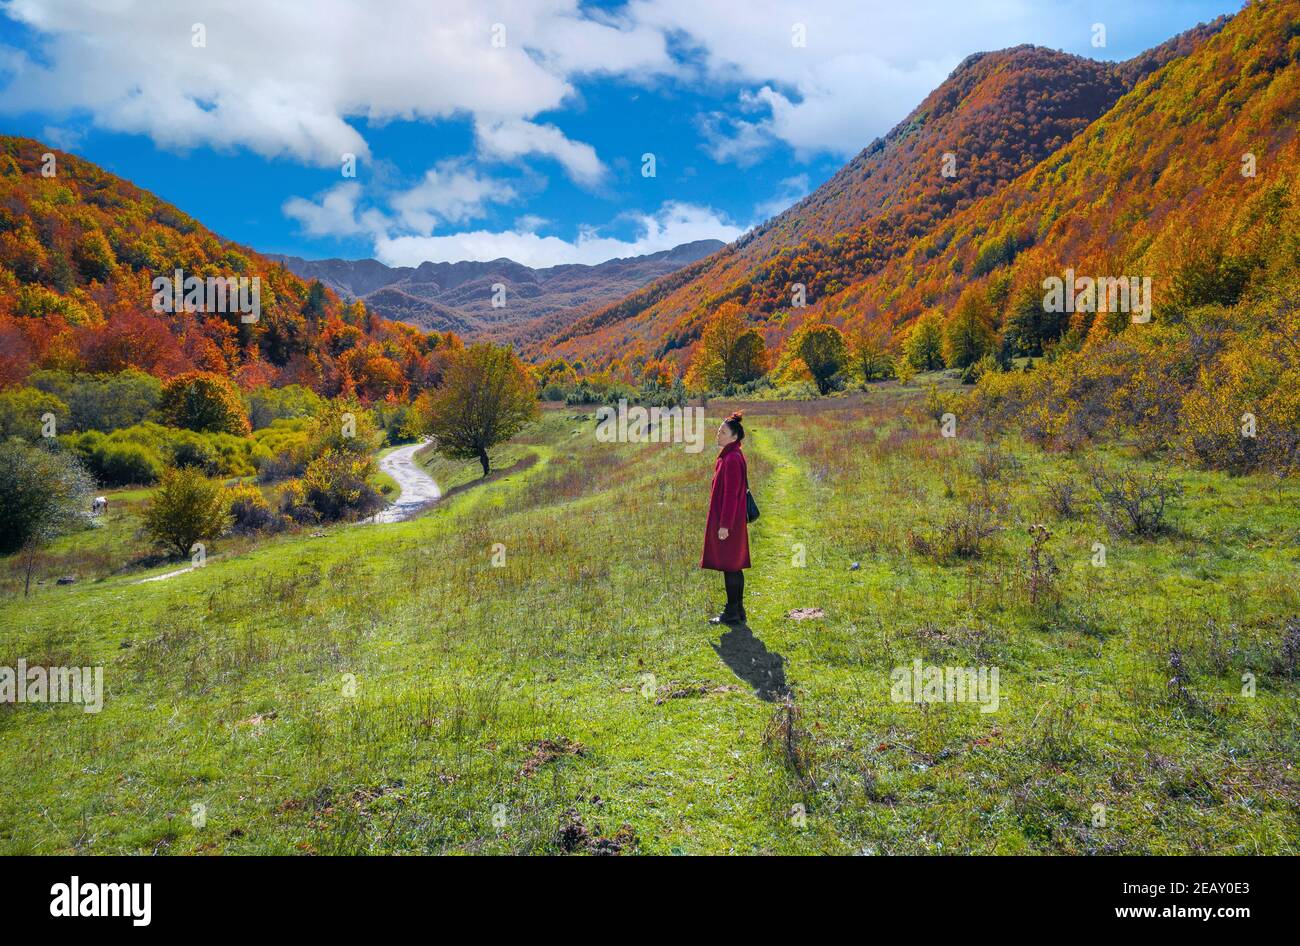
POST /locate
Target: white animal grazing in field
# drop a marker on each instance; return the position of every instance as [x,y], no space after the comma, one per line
[99,506]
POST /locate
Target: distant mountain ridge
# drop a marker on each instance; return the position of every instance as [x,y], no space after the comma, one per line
[458,296]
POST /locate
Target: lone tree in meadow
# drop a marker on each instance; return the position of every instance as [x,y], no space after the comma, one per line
[43,493]
[730,352]
[486,398]
[186,507]
[203,401]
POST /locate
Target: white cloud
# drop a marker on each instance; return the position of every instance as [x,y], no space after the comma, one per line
[451,192]
[287,78]
[69,139]
[673,224]
[530,223]
[282,79]
[403,233]
[335,214]
[513,138]
[733,139]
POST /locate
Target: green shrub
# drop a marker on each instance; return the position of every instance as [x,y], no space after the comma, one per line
[249,511]
[280,450]
[201,400]
[266,406]
[334,487]
[22,410]
[43,493]
[395,420]
[125,464]
[102,402]
[795,391]
[343,427]
[189,449]
[215,454]
[186,508]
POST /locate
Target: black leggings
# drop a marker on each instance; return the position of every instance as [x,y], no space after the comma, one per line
[735,584]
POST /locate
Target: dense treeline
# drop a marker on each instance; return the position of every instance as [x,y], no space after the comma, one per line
[80,248]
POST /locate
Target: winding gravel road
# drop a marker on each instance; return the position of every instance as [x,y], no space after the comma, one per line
[418,489]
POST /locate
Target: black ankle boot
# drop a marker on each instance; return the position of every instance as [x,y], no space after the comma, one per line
[729,616]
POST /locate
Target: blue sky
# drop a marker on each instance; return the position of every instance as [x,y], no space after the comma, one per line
[485,129]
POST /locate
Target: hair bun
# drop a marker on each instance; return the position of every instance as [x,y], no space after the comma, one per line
[736,415]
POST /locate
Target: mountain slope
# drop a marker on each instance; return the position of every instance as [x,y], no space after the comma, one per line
[458,296]
[1155,188]
[80,248]
[997,115]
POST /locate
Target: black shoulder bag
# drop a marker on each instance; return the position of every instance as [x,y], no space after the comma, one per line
[751,507]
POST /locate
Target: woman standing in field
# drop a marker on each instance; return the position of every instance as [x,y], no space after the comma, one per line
[726,534]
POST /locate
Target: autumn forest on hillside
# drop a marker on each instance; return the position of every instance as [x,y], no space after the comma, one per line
[964,258]
[1022,386]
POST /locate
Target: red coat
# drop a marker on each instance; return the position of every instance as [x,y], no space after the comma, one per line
[727,510]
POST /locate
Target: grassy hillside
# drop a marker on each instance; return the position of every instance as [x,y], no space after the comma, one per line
[575,700]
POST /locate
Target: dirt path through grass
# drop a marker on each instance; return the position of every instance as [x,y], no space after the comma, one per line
[780,501]
[418,491]
[746,648]
[418,488]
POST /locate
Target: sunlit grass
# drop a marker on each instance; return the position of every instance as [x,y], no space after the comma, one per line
[228,687]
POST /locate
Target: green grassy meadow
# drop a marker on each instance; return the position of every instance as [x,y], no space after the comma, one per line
[388,689]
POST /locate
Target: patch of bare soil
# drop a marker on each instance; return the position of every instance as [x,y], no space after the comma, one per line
[574,837]
[682,691]
[548,750]
[806,614]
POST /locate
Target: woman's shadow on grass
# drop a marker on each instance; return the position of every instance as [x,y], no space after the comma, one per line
[749,659]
